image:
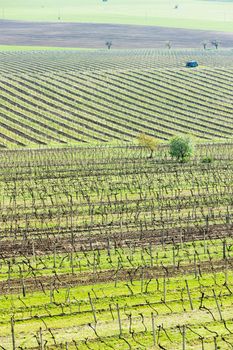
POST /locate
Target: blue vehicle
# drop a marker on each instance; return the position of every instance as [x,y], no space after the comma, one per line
[192,64]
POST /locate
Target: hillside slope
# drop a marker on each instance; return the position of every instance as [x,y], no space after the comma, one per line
[52,98]
[94,35]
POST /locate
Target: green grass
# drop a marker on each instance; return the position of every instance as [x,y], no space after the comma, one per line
[52,183]
[69,313]
[34,48]
[190,14]
[61,263]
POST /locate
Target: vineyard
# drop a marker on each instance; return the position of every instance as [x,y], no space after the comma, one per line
[105,247]
[64,98]
[102,245]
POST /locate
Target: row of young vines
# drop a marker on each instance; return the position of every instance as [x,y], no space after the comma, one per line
[108,248]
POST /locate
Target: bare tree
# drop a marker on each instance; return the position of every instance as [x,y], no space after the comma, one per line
[168,44]
[108,44]
[215,43]
[204,44]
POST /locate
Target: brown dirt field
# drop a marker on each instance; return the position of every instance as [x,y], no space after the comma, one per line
[89,35]
[44,243]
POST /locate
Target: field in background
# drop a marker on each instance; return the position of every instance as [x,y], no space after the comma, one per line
[52,98]
[94,35]
[193,14]
[33,48]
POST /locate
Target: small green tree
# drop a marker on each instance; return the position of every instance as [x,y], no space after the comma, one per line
[181,148]
[148,142]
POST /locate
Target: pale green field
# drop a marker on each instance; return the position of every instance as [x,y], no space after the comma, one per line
[36,48]
[196,14]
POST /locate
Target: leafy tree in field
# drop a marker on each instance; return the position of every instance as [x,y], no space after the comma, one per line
[148,142]
[181,148]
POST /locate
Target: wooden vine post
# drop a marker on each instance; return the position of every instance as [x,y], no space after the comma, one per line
[189,295]
[13,333]
[173,256]
[40,339]
[217,304]
[164,288]
[153,328]
[224,249]
[119,319]
[215,344]
[92,308]
[183,337]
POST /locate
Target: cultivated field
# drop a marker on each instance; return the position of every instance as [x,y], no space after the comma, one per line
[64,98]
[102,245]
[107,248]
[92,35]
[194,14]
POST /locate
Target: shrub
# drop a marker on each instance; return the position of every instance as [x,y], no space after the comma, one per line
[207,160]
[181,148]
[148,142]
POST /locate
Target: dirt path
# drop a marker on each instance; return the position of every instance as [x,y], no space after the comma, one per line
[95,35]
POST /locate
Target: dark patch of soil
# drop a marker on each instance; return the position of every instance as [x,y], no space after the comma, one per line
[41,283]
[44,242]
[88,35]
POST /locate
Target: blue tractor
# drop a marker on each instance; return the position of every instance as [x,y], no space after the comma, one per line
[192,64]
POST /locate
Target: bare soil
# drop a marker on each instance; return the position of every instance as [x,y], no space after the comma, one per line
[42,283]
[89,35]
[44,242]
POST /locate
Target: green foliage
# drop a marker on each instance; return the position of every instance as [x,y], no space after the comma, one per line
[207,160]
[148,142]
[181,148]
